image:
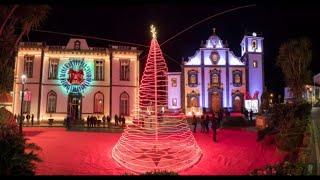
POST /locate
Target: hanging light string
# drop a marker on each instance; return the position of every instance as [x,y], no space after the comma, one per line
[210,17]
[89,37]
[145,46]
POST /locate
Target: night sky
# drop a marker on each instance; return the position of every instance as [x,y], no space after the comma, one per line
[130,22]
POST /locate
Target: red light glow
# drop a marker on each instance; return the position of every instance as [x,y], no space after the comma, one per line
[157,140]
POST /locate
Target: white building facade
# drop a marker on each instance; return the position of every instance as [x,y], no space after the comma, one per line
[76,80]
[216,78]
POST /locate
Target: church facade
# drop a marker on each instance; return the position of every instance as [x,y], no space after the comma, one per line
[214,77]
[75,80]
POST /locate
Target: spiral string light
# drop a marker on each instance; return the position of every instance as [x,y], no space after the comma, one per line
[157,139]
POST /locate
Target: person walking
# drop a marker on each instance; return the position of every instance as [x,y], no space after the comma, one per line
[116,118]
[20,119]
[104,120]
[32,118]
[123,121]
[251,115]
[202,124]
[98,121]
[91,121]
[194,122]
[23,118]
[246,115]
[88,121]
[68,122]
[120,120]
[95,121]
[220,118]
[214,129]
[206,122]
[28,118]
[108,121]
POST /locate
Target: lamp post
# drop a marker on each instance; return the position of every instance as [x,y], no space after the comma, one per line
[23,81]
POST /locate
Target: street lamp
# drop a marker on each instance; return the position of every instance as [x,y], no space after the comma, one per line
[23,81]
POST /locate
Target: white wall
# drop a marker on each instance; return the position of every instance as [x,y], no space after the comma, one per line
[131,87]
[174,92]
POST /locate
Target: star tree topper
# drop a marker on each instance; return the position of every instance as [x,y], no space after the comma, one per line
[153,31]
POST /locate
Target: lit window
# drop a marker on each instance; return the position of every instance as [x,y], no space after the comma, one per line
[254,44]
[237,78]
[124,104]
[174,82]
[194,102]
[76,45]
[28,66]
[53,68]
[99,70]
[215,77]
[51,102]
[255,64]
[193,99]
[98,103]
[124,70]
[26,102]
[193,78]
[174,102]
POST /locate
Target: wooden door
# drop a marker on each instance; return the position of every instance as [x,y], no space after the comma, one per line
[215,101]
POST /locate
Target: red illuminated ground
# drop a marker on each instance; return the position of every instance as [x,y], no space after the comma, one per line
[89,153]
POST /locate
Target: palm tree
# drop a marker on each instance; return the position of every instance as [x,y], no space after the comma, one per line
[16,22]
[31,17]
[294,60]
[7,12]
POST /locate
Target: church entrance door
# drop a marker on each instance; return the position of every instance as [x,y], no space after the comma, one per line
[215,101]
[75,106]
[237,104]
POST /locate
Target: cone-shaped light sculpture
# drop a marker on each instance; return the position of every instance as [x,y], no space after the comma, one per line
[157,140]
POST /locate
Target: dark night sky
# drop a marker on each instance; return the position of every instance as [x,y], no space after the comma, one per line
[130,22]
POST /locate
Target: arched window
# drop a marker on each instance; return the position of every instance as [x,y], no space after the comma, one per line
[193,99]
[215,77]
[98,102]
[194,102]
[124,104]
[255,64]
[51,102]
[77,45]
[237,78]
[193,78]
[26,101]
[254,44]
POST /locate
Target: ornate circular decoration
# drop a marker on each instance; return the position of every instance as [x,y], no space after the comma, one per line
[214,57]
[75,76]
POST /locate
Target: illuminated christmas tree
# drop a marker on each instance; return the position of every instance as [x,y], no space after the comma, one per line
[157,140]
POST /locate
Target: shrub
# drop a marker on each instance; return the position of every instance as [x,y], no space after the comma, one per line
[283,169]
[291,120]
[160,173]
[17,157]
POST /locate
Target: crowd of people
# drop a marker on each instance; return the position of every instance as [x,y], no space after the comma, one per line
[24,119]
[215,118]
[248,115]
[94,121]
